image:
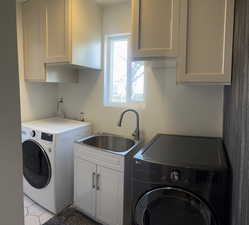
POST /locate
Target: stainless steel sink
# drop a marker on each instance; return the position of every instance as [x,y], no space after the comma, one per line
[111,143]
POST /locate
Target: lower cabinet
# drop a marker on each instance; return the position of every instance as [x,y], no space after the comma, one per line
[109,196]
[84,191]
[98,191]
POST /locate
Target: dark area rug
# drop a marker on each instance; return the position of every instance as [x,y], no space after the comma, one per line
[70,216]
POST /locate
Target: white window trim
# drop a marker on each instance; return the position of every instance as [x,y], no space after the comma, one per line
[107,64]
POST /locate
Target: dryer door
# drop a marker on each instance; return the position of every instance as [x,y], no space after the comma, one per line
[172,206]
[36,165]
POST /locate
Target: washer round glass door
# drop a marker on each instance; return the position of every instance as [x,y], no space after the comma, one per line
[36,165]
[172,206]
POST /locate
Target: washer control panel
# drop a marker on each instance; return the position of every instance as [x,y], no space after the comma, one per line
[47,137]
[36,135]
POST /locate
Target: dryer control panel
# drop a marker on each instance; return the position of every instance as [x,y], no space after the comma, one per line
[173,175]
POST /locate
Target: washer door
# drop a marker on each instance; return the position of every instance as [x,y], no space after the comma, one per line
[172,206]
[36,165]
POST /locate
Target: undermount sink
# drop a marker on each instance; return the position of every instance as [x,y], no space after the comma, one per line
[111,143]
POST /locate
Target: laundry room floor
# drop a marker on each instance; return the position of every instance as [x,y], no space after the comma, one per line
[35,214]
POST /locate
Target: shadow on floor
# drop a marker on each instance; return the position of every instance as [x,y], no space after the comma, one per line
[70,216]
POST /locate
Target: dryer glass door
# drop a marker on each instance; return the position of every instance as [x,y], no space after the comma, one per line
[36,165]
[172,206]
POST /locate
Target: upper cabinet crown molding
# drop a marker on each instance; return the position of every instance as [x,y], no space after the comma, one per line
[205,44]
[62,32]
[155,26]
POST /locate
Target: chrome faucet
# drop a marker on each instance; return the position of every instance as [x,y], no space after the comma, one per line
[136,133]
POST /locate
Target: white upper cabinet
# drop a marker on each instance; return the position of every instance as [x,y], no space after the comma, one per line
[62,32]
[73,32]
[58,34]
[198,33]
[155,28]
[86,33]
[205,45]
[33,40]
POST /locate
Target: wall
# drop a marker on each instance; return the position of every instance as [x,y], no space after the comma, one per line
[11,195]
[38,100]
[116,19]
[169,108]
[236,116]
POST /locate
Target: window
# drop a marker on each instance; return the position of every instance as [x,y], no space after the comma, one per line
[124,80]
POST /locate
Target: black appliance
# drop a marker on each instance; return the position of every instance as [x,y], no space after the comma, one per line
[181,180]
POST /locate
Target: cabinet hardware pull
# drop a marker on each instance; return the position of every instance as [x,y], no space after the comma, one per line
[93,180]
[97,182]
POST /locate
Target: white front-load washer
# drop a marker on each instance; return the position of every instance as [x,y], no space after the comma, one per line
[47,147]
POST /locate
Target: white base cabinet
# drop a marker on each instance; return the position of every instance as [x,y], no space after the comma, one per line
[109,196]
[84,192]
[99,184]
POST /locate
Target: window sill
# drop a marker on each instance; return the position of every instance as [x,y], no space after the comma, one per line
[134,105]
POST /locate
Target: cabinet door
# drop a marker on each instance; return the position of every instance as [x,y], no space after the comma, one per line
[33,40]
[84,186]
[58,22]
[206,36]
[109,196]
[155,28]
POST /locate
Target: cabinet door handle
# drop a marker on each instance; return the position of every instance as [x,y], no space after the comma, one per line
[97,182]
[93,180]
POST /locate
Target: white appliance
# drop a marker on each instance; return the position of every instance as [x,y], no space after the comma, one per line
[47,147]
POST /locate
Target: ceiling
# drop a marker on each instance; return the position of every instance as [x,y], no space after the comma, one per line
[102,2]
[107,2]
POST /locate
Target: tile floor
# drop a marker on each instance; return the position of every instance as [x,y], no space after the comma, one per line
[35,214]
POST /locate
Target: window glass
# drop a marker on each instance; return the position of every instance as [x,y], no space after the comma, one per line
[118,70]
[124,80]
[137,81]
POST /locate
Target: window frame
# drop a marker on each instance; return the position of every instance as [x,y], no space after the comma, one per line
[107,73]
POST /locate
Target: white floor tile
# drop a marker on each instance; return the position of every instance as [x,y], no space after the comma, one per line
[32,220]
[36,210]
[45,217]
[35,214]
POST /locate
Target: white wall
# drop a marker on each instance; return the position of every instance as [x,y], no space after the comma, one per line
[116,19]
[11,208]
[38,100]
[169,108]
